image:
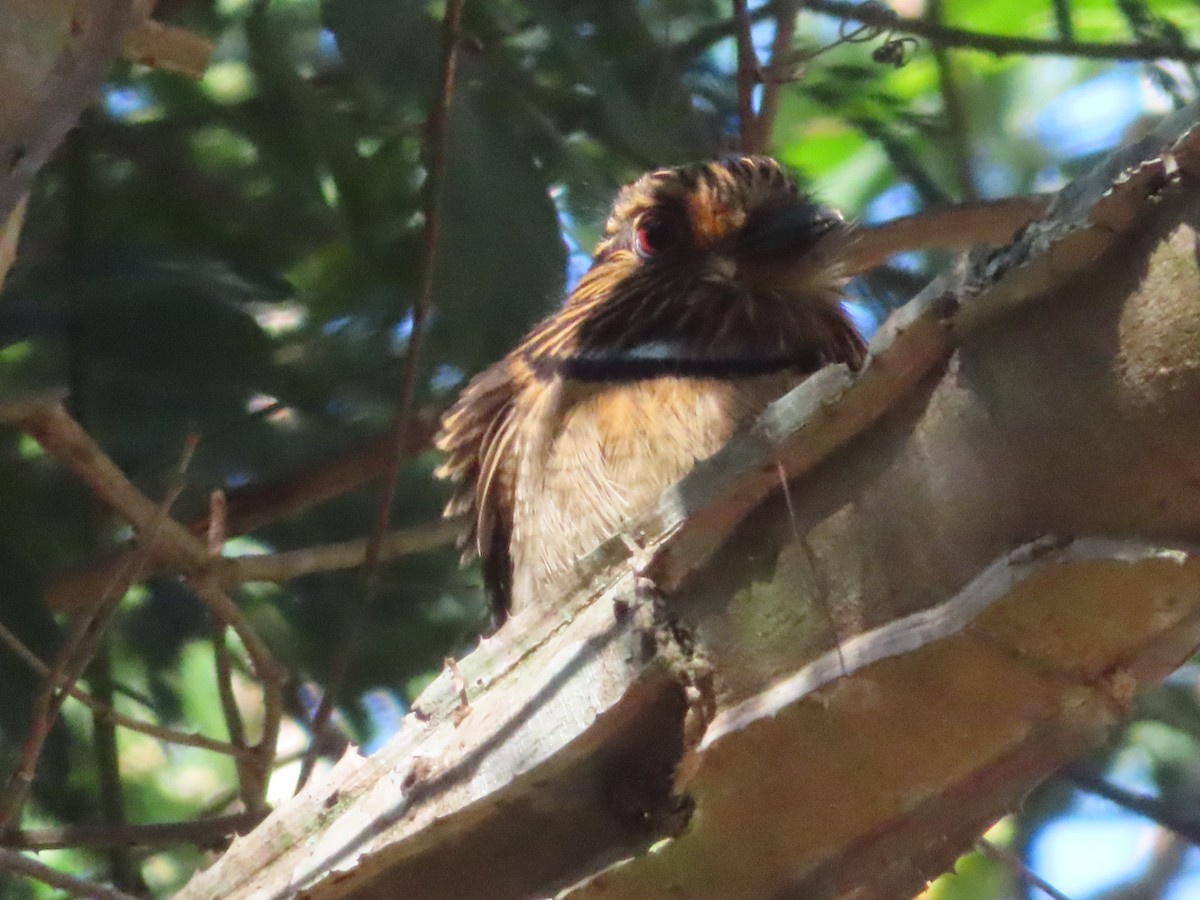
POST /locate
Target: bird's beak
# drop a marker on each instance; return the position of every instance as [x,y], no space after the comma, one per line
[788,232]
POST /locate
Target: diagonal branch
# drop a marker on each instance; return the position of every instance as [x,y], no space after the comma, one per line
[102,711]
[20,864]
[203,833]
[437,125]
[73,659]
[44,418]
[255,505]
[1152,808]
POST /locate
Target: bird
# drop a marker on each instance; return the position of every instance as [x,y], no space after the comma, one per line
[714,289]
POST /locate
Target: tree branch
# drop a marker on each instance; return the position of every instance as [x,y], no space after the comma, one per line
[879,16]
[1187,827]
[31,133]
[289,564]
[599,721]
[20,864]
[781,46]
[160,732]
[748,78]
[204,833]
[437,126]
[44,419]
[84,642]
[256,505]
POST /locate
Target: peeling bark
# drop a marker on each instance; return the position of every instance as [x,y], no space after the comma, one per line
[985,548]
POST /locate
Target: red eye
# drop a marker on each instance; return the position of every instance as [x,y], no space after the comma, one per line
[652,238]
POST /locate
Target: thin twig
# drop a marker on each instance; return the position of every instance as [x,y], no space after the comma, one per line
[781,45]
[20,864]
[44,418]
[748,78]
[101,711]
[123,869]
[880,16]
[217,806]
[820,581]
[270,674]
[436,128]
[1187,827]
[222,660]
[203,833]
[256,505]
[1016,865]
[223,664]
[289,564]
[76,654]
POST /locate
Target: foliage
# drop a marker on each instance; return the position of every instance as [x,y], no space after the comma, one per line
[238,258]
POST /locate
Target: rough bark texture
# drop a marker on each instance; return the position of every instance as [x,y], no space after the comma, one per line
[54,55]
[984,549]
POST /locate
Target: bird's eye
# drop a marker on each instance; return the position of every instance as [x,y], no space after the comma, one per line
[652,237]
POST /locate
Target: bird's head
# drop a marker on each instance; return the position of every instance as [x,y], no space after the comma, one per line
[721,268]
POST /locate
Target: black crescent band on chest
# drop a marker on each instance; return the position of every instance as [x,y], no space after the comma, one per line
[619,368]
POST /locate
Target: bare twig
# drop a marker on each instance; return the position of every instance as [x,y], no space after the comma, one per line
[20,864]
[1016,865]
[781,45]
[223,664]
[222,661]
[748,78]
[218,524]
[123,869]
[756,127]
[257,505]
[270,675]
[44,418]
[75,656]
[1187,827]
[436,127]
[162,733]
[60,436]
[880,16]
[290,564]
[204,833]
[956,227]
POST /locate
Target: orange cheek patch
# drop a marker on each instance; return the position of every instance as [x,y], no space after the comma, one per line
[712,220]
